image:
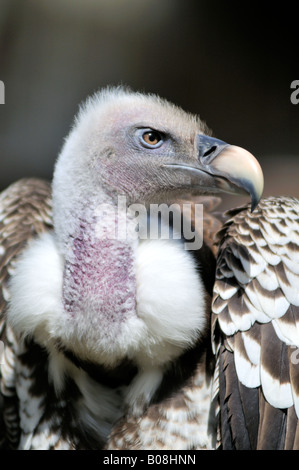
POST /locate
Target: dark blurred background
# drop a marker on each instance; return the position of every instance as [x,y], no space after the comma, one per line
[229,62]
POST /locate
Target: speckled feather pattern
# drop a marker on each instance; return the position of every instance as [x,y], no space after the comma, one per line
[256,307]
[179,422]
[25,210]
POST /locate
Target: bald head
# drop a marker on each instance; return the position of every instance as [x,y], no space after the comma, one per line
[145,148]
[120,105]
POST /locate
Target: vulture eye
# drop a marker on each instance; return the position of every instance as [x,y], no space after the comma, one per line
[152,139]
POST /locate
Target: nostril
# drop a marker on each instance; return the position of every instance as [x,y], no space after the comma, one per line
[211,150]
[208,147]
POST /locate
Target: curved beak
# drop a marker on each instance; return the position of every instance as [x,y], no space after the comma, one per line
[226,168]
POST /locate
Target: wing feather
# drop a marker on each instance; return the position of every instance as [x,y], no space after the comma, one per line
[272,426]
[255,317]
[25,210]
[238,407]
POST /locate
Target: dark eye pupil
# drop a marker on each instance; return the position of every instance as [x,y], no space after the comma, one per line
[153,136]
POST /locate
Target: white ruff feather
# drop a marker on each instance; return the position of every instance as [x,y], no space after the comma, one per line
[170,295]
[170,300]
[170,310]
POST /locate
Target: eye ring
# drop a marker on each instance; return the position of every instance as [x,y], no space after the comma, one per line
[151,138]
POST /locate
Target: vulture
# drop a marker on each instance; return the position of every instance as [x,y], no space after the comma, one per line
[119,337]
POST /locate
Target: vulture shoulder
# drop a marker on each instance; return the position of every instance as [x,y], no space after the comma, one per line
[256,326]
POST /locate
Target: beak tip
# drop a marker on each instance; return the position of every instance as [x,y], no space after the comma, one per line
[255,190]
[254,203]
[242,169]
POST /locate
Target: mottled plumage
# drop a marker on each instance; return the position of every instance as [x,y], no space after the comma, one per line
[256,326]
[25,211]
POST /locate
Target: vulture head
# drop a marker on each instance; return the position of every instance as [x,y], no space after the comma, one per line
[148,150]
[106,299]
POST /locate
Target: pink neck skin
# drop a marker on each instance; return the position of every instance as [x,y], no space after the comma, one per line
[99,284]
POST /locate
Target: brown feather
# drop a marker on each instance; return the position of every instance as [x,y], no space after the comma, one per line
[25,211]
[160,426]
[265,243]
